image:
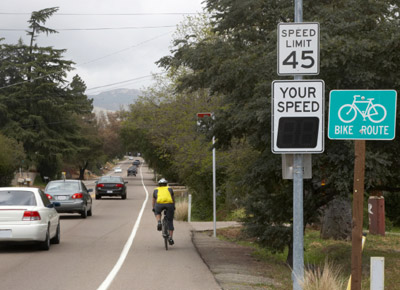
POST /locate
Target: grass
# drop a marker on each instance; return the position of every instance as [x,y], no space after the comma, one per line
[181,210]
[395,230]
[338,253]
[327,277]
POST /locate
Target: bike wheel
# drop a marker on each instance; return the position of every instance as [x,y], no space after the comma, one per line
[347,113]
[377,113]
[165,232]
[166,243]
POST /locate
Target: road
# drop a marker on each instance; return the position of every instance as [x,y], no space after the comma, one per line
[116,248]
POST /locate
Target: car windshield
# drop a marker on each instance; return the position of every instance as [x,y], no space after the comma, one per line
[110,179]
[17,197]
[65,187]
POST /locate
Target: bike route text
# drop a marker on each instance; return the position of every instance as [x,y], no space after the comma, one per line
[367,130]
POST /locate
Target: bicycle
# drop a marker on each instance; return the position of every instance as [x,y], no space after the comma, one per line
[376,113]
[165,229]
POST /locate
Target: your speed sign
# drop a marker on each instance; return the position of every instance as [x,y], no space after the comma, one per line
[298,48]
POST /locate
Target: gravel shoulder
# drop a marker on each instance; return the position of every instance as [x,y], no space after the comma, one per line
[232,265]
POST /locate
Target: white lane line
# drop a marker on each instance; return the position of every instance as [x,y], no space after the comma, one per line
[111,276]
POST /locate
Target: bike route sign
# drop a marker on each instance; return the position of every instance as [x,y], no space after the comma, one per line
[362,114]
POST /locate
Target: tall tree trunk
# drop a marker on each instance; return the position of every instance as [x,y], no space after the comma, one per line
[82,170]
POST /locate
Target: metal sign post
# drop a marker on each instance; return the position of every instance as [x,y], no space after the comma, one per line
[214,190]
[298,223]
[202,115]
[298,218]
[298,114]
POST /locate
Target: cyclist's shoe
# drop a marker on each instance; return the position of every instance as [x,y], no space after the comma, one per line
[171,241]
[159,227]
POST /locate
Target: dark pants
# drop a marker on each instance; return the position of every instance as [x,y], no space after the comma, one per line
[169,207]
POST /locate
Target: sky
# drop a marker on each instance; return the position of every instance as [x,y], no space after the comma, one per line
[104,56]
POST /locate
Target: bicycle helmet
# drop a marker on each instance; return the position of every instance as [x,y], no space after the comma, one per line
[162,181]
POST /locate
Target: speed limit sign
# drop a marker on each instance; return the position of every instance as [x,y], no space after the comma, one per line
[298,48]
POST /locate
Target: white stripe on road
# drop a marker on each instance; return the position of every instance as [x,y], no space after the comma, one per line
[111,276]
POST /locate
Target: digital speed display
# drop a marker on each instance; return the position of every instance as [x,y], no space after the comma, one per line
[298,132]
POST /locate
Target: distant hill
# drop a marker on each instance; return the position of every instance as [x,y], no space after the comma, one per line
[114,99]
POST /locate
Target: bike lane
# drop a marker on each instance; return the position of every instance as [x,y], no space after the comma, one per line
[149,266]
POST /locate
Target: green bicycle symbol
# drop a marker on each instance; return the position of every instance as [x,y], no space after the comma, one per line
[376,113]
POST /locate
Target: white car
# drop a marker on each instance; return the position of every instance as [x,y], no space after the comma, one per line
[26,214]
[117,170]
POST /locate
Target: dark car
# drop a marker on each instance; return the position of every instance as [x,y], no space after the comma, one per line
[72,195]
[136,162]
[111,186]
[132,170]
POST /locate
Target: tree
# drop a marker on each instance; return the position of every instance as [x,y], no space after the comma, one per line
[359,42]
[38,18]
[162,125]
[89,145]
[109,132]
[39,107]
[11,158]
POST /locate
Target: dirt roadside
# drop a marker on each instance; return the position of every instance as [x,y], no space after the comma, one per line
[233,265]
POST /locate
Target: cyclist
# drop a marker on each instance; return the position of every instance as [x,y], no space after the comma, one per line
[163,198]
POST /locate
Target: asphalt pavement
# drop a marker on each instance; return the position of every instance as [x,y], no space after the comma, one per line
[119,248]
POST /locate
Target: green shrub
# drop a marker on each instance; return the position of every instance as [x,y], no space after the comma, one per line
[392,207]
[237,214]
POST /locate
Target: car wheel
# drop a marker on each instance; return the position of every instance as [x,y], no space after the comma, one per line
[45,245]
[90,212]
[98,196]
[84,213]
[57,237]
[123,196]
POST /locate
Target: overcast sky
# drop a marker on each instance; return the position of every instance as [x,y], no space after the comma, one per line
[104,56]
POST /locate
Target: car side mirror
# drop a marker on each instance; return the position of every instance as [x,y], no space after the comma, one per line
[126,182]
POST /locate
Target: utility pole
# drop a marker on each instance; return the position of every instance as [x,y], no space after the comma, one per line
[358,205]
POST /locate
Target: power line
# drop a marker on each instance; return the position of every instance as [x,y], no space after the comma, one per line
[105,14]
[125,49]
[122,82]
[94,88]
[23,82]
[99,28]
[94,60]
